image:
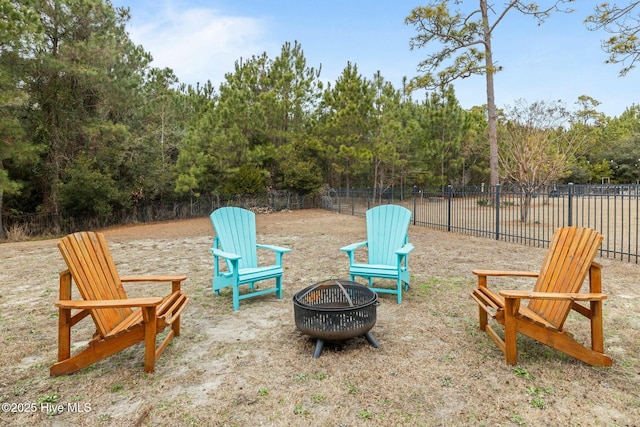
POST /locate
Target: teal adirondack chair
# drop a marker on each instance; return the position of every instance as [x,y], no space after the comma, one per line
[388,248]
[235,242]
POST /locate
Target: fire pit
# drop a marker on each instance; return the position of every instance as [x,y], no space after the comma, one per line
[335,310]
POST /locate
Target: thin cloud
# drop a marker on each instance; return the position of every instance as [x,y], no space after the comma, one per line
[199,44]
[202,39]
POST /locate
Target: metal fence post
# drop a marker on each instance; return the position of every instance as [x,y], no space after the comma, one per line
[353,202]
[570,204]
[415,195]
[497,211]
[449,196]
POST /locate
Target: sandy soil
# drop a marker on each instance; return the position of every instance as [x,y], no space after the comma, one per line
[252,367]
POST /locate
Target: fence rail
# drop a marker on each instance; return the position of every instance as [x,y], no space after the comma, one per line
[509,214]
[500,212]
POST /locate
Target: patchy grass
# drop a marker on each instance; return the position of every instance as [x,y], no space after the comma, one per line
[252,367]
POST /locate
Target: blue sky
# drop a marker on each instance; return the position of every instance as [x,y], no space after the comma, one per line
[201,40]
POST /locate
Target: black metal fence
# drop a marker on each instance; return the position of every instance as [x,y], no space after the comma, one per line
[50,224]
[509,214]
[501,212]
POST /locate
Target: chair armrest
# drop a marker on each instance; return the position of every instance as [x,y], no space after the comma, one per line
[352,247]
[553,295]
[273,248]
[403,251]
[496,273]
[169,278]
[225,255]
[118,303]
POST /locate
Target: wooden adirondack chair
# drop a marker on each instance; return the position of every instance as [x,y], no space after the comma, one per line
[557,291]
[120,321]
[387,246]
[235,242]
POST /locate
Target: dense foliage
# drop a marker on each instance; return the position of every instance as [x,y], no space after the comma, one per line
[88,126]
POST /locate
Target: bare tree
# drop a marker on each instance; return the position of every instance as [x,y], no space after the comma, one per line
[536,148]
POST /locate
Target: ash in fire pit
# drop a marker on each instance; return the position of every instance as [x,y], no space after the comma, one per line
[335,310]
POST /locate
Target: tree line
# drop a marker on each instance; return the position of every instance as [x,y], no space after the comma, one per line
[88,126]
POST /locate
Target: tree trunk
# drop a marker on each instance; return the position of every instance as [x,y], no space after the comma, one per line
[525,206]
[491,103]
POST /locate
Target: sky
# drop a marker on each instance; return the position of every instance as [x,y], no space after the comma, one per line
[202,40]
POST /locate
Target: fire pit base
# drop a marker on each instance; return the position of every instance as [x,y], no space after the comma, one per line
[335,310]
[320,344]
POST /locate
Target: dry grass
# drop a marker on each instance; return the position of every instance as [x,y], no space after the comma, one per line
[253,367]
[17,233]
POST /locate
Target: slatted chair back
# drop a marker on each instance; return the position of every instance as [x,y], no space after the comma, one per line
[565,267]
[89,260]
[236,233]
[387,227]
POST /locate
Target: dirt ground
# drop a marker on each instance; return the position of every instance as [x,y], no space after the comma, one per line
[252,367]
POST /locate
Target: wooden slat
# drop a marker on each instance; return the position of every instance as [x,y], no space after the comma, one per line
[91,267]
[134,319]
[567,264]
[164,344]
[171,308]
[97,350]
[557,291]
[484,302]
[568,280]
[497,273]
[112,303]
[591,241]
[90,262]
[164,278]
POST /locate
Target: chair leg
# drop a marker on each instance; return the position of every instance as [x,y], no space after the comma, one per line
[175,327]
[213,286]
[597,332]
[236,297]
[64,318]
[149,315]
[483,319]
[279,287]
[510,329]
[399,290]
[64,334]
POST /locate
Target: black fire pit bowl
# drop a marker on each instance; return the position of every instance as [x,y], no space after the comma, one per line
[335,310]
